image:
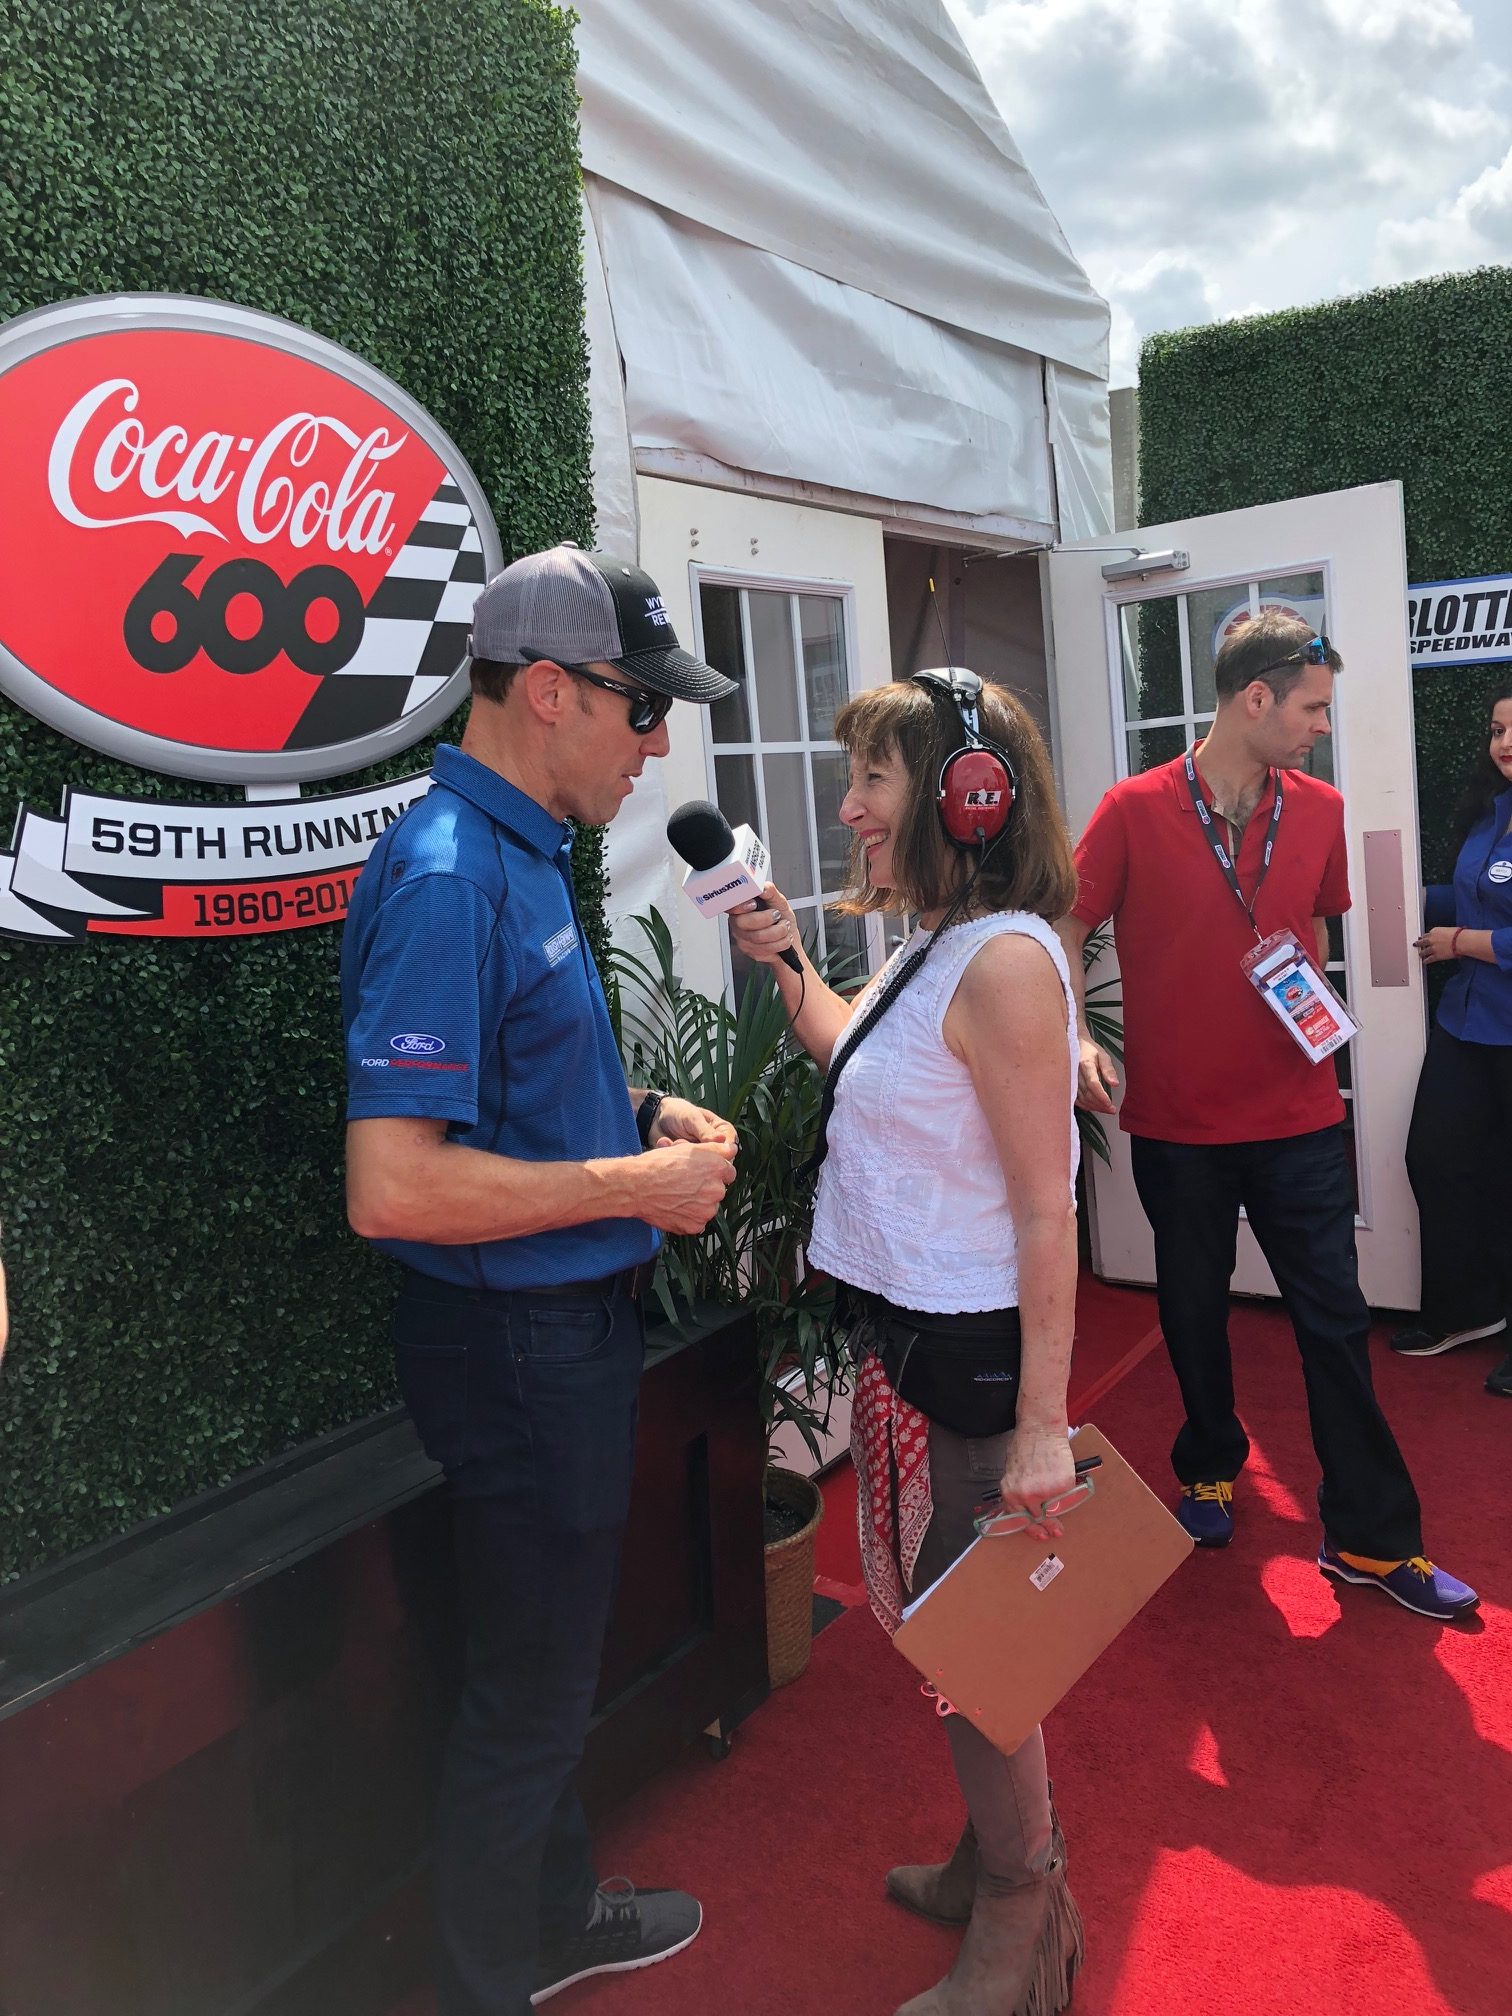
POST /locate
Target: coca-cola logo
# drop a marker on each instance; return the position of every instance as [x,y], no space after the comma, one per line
[229,549]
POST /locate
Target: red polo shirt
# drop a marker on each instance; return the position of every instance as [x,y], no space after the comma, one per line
[1205,1059]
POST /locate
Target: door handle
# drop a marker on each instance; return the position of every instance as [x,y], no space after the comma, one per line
[1386,908]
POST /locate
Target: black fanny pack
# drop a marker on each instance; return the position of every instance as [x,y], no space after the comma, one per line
[962,1371]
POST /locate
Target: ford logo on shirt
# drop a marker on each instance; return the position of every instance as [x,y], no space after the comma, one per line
[417,1046]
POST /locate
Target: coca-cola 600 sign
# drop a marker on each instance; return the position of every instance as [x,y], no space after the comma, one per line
[229,550]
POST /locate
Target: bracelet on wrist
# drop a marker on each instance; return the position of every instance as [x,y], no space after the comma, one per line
[1454,941]
[645,1116]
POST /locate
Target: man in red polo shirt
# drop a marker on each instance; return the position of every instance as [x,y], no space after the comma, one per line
[1196,862]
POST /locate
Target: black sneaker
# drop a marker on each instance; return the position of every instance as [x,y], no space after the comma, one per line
[1428,1344]
[629,1928]
[1500,1381]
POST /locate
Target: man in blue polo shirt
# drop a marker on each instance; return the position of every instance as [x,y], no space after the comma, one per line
[494,1149]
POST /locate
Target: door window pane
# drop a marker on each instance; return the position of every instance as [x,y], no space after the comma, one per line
[821,620]
[1321,761]
[1298,594]
[1151,746]
[788,832]
[831,777]
[1151,658]
[1213,615]
[719,608]
[1301,595]
[735,791]
[790,646]
[845,939]
[776,672]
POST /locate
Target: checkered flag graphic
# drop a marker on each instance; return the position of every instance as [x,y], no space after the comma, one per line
[415,630]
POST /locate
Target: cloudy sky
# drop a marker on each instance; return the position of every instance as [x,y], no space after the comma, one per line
[1210,158]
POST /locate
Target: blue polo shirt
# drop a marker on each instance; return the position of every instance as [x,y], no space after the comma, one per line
[469,995]
[1476,1005]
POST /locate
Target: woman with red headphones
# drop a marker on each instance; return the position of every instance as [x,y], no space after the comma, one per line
[946,1211]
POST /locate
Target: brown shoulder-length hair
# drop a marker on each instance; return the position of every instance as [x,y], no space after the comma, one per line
[1030,868]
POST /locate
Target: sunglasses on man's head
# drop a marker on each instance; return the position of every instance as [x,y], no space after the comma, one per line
[1316,651]
[647,710]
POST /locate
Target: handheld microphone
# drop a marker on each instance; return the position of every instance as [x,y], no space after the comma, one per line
[726,866]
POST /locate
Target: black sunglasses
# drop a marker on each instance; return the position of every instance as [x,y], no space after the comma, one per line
[647,710]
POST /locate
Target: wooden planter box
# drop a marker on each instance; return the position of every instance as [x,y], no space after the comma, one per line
[218,1733]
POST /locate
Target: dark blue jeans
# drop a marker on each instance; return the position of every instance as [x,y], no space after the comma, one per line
[1461,1176]
[1299,1194]
[528,1403]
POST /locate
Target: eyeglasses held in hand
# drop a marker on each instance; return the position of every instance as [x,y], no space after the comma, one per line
[993,1523]
[647,710]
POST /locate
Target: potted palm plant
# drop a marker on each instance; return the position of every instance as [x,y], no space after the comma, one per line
[740,1063]
[1105,1024]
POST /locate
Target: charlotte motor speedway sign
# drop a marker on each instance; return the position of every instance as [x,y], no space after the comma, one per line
[232,551]
[1461,622]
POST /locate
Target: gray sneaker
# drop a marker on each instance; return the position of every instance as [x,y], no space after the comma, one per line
[1418,1343]
[629,1928]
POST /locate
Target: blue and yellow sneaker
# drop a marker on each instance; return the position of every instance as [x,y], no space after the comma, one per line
[1415,1584]
[1204,1512]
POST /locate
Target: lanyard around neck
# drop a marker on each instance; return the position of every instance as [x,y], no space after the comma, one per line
[1221,853]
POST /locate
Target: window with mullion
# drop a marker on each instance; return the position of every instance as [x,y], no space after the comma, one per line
[773,760]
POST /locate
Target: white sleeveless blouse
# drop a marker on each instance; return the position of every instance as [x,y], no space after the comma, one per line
[912,1203]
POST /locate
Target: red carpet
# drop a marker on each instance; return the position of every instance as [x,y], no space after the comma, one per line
[1280,1796]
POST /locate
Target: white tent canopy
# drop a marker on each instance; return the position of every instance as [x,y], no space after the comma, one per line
[824,262]
[817,267]
[852,137]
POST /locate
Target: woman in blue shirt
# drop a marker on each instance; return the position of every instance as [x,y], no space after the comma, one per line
[1457,1149]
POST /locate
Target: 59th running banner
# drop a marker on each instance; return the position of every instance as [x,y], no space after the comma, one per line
[128,867]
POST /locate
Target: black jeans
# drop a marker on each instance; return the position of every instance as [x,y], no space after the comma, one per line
[528,1403]
[1459,1161]
[1299,1194]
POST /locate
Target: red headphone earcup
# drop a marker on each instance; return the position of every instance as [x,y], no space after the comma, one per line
[975,796]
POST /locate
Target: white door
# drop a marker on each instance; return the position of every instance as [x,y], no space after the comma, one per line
[1133,687]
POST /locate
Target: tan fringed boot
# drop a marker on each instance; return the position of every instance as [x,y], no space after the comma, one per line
[943,1892]
[1021,1954]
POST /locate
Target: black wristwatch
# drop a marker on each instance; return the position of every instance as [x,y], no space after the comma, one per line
[645,1116]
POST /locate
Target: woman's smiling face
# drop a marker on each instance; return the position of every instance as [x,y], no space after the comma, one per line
[872,808]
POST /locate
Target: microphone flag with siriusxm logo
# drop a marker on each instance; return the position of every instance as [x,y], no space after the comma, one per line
[728,866]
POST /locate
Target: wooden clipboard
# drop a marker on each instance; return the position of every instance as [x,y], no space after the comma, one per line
[1014,1624]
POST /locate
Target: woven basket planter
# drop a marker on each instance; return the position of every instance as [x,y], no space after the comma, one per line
[790,1579]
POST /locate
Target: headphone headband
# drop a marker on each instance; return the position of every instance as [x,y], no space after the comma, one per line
[964,691]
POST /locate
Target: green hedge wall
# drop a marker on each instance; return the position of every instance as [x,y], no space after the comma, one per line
[1408,382]
[186,1299]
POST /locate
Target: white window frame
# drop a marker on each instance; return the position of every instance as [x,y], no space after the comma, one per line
[701,575]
